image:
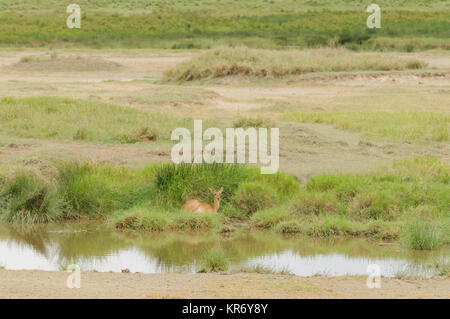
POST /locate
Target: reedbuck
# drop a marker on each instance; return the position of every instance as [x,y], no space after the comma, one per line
[199,207]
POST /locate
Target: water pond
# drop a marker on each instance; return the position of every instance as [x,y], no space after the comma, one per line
[96,247]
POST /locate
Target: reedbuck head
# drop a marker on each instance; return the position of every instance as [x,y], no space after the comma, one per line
[216,193]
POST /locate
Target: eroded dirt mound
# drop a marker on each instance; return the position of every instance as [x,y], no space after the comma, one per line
[70,63]
[382,76]
[353,78]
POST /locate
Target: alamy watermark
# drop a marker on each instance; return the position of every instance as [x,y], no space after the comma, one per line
[235,146]
[374,278]
[74,19]
[74,279]
[374,20]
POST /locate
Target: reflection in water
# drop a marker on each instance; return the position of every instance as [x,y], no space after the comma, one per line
[96,247]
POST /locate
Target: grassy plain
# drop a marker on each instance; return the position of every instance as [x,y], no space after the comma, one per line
[204,24]
[364,148]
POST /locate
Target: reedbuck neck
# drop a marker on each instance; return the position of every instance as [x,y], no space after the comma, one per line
[197,206]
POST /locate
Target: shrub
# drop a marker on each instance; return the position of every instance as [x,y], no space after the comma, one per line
[187,221]
[285,185]
[374,205]
[421,235]
[314,203]
[381,229]
[179,183]
[345,186]
[288,227]
[214,261]
[356,36]
[269,218]
[151,218]
[140,218]
[90,189]
[253,196]
[334,226]
[29,198]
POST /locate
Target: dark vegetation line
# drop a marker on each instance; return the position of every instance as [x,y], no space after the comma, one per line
[194,30]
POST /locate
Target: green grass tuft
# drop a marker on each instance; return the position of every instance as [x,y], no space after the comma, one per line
[151,218]
[253,196]
[289,227]
[28,198]
[422,235]
[89,189]
[214,261]
[270,217]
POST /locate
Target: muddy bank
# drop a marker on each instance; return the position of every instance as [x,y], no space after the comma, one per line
[52,284]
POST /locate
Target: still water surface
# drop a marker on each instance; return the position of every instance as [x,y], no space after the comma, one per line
[96,247]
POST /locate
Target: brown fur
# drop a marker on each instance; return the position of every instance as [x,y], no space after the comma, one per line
[199,207]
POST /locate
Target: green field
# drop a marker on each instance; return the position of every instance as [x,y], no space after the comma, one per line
[223,6]
[205,24]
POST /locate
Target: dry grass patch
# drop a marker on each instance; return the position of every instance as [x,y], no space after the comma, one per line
[68,63]
[243,61]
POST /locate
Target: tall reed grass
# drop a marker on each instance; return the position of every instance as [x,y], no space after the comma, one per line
[29,198]
[422,235]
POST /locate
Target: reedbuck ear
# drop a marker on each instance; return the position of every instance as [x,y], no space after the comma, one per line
[221,190]
[211,190]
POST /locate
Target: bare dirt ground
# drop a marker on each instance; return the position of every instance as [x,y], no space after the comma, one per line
[306,149]
[43,284]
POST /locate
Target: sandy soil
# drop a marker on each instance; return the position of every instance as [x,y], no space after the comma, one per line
[45,284]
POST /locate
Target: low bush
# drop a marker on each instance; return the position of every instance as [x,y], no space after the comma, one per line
[422,235]
[289,227]
[377,205]
[28,198]
[312,203]
[253,196]
[151,218]
[269,218]
[89,189]
[214,261]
